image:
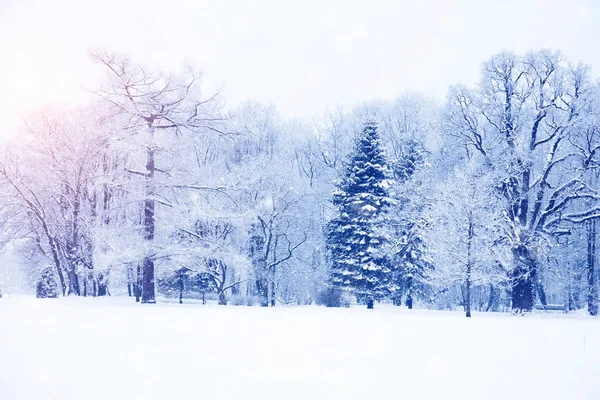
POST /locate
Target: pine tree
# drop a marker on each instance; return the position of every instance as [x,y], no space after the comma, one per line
[356,238]
[408,161]
[46,286]
[412,267]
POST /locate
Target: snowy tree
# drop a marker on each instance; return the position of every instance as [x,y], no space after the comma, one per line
[520,122]
[152,108]
[272,189]
[357,236]
[46,286]
[412,267]
[464,223]
[53,177]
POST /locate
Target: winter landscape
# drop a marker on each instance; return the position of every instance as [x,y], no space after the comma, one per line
[343,223]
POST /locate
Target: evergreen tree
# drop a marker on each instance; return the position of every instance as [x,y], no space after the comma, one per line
[357,237]
[46,286]
[408,161]
[412,268]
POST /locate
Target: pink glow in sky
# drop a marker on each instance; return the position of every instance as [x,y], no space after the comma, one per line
[303,56]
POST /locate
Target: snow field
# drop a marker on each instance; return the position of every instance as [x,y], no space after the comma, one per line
[99,348]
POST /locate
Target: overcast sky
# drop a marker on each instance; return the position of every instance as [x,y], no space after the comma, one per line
[303,56]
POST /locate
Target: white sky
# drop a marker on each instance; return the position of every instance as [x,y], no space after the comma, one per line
[303,56]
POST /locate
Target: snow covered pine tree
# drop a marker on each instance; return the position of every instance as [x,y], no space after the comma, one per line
[356,237]
[412,267]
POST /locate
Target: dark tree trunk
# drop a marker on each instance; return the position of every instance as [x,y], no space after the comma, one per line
[370,304]
[73,280]
[222,299]
[397,296]
[148,290]
[409,302]
[468,294]
[102,285]
[272,282]
[56,259]
[494,299]
[180,282]
[138,284]
[103,289]
[469,265]
[148,296]
[591,268]
[542,293]
[523,278]
[263,292]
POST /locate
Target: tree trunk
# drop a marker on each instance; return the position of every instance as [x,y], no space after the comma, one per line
[272,294]
[73,280]
[469,265]
[222,298]
[180,282]
[494,299]
[102,285]
[55,257]
[370,303]
[468,294]
[262,288]
[148,296]
[409,301]
[591,268]
[138,284]
[523,278]
[148,290]
[73,247]
[542,293]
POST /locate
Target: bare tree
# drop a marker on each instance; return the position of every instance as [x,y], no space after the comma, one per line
[519,122]
[146,104]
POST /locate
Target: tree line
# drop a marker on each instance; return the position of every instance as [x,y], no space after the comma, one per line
[486,201]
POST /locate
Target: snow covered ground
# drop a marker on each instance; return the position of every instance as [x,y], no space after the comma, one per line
[109,348]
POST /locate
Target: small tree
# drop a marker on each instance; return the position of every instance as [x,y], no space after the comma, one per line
[46,286]
[414,266]
[356,238]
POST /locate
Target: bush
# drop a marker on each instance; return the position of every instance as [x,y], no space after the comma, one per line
[46,287]
[331,297]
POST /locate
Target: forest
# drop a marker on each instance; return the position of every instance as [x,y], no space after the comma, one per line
[157,189]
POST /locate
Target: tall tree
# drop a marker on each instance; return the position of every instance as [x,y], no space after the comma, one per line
[149,104]
[520,122]
[357,237]
[412,267]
